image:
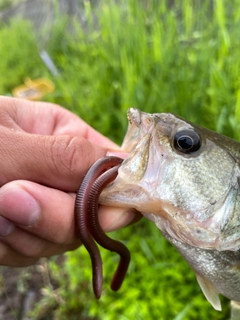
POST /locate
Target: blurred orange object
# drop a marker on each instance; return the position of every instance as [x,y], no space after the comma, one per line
[34,89]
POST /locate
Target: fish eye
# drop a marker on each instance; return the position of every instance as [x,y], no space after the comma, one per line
[187,141]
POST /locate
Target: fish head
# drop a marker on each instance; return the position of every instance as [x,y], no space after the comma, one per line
[181,176]
[185,178]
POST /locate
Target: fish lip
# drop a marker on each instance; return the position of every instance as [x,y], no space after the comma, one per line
[139,124]
[134,116]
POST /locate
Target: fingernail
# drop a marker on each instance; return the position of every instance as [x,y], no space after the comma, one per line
[6,227]
[18,206]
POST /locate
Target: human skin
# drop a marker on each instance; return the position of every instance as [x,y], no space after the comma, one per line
[45,153]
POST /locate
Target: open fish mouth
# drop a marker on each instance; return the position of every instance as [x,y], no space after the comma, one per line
[133,135]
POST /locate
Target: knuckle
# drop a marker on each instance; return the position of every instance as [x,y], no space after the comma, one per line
[68,152]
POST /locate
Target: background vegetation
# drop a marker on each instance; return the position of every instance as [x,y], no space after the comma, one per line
[159,56]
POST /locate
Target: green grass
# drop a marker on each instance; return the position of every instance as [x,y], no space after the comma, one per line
[181,58]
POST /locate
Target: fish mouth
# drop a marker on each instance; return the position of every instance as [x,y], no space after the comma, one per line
[134,116]
[133,134]
[139,123]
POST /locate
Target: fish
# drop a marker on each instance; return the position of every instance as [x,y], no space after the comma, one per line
[186,180]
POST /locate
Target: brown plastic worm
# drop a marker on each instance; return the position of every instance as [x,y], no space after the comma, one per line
[86,204]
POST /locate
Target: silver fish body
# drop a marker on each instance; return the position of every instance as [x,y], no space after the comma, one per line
[185,179]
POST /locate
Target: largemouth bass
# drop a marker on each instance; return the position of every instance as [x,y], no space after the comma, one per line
[185,179]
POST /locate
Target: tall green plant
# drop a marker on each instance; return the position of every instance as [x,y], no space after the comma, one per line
[156,57]
[159,56]
[19,55]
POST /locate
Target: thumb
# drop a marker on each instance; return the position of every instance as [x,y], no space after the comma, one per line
[56,161]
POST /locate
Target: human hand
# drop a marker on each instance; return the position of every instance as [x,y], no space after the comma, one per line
[45,152]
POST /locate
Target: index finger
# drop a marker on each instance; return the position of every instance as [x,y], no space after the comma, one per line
[49,119]
[46,144]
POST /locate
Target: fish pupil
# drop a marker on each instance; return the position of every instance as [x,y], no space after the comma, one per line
[187,141]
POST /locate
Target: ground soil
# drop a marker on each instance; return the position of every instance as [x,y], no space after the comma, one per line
[21,289]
